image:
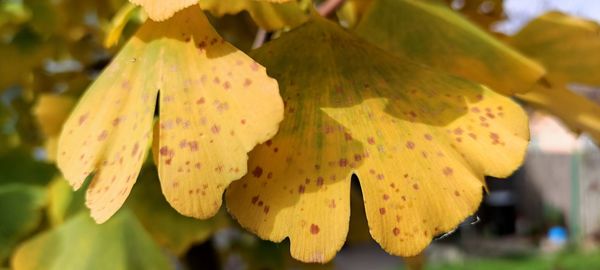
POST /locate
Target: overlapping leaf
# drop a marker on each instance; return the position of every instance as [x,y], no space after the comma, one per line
[269,15]
[418,140]
[567,46]
[216,104]
[121,243]
[577,112]
[159,10]
[435,35]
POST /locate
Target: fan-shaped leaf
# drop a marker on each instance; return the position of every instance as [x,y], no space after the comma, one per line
[420,142]
[208,114]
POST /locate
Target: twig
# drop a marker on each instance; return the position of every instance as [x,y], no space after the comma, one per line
[329,6]
[259,40]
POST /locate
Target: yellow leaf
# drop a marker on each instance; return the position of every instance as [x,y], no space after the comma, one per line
[51,111]
[269,15]
[567,46]
[208,113]
[118,23]
[435,35]
[160,10]
[418,140]
[577,112]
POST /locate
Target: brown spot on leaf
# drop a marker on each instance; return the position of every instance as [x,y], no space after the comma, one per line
[314,229]
[448,171]
[257,172]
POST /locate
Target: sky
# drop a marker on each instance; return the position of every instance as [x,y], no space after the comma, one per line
[520,12]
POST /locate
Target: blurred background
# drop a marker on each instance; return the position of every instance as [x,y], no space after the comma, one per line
[545,216]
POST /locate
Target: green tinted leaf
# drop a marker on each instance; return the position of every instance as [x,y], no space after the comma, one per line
[63,202]
[119,244]
[569,47]
[20,206]
[19,166]
[434,35]
[169,228]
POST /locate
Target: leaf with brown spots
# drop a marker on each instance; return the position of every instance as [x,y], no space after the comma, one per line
[209,117]
[420,142]
[269,15]
[433,34]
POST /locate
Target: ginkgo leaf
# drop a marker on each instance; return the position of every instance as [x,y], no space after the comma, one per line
[208,115]
[577,112]
[159,10]
[435,35]
[78,243]
[567,46]
[269,15]
[419,141]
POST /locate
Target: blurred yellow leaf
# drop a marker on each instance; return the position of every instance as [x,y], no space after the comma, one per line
[418,140]
[51,111]
[118,23]
[269,15]
[209,117]
[78,244]
[567,46]
[18,60]
[577,112]
[434,35]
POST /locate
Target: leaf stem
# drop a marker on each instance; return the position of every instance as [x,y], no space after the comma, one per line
[329,6]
